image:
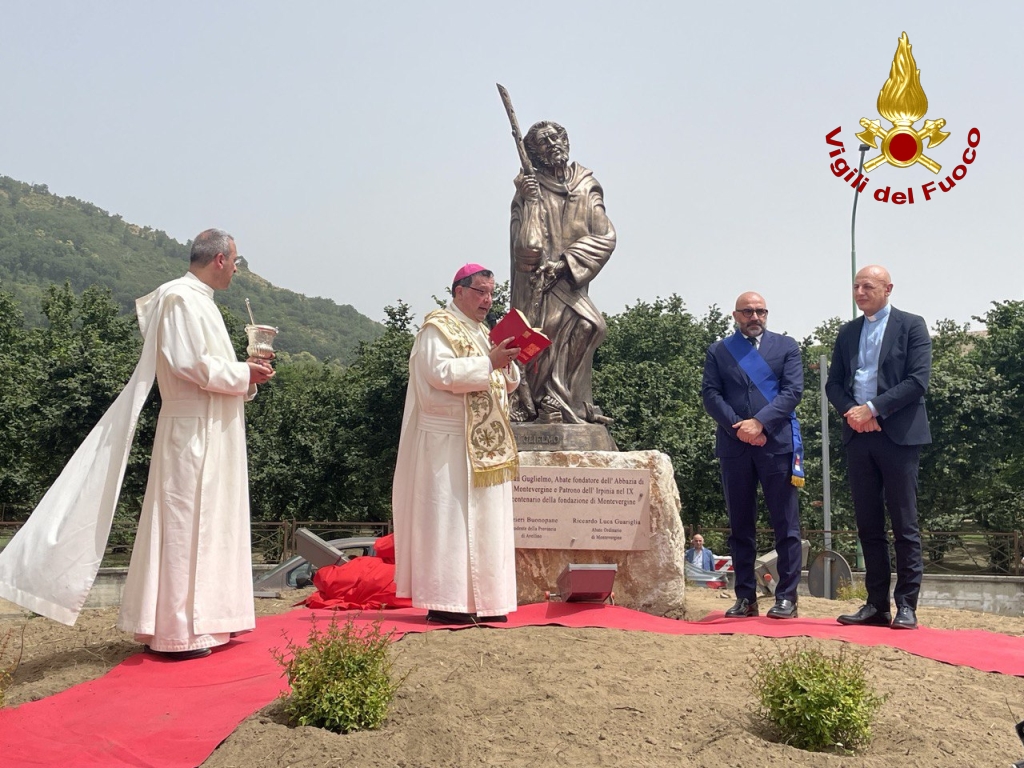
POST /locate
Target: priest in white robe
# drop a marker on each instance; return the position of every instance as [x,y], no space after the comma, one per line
[190,581]
[452,494]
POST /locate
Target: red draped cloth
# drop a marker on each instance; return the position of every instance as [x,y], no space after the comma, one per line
[363,582]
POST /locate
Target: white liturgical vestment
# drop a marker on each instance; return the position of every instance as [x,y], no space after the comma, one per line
[454,543]
[190,579]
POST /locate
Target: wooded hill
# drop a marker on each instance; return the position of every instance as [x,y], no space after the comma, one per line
[46,239]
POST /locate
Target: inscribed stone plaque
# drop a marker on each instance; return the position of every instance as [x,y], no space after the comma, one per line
[582,508]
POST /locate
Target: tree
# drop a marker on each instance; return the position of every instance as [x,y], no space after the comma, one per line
[292,439]
[821,342]
[75,368]
[994,387]
[15,399]
[647,375]
[375,387]
[323,440]
[967,404]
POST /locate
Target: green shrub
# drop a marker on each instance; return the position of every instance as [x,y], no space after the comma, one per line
[851,591]
[342,679]
[816,701]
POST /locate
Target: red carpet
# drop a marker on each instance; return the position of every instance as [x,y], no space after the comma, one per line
[150,712]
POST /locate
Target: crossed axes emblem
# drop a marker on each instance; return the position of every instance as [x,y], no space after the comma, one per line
[902,146]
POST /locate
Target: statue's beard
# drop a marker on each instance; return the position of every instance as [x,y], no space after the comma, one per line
[555,161]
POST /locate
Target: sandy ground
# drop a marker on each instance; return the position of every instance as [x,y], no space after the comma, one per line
[547,696]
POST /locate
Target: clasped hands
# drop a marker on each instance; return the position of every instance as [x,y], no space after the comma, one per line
[861,419]
[750,431]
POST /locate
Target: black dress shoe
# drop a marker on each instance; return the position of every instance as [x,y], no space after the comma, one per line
[783,609]
[195,653]
[450,617]
[742,609]
[492,619]
[867,616]
[906,618]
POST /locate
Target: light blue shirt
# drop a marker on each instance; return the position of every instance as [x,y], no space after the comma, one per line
[865,379]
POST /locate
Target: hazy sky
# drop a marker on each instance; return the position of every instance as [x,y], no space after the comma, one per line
[359,151]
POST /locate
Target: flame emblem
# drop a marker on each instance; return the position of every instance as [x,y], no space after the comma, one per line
[902,102]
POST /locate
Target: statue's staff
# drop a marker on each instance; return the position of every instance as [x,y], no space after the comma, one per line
[522,398]
[542,277]
[516,133]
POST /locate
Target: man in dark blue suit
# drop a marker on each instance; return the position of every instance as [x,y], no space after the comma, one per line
[880,370]
[756,442]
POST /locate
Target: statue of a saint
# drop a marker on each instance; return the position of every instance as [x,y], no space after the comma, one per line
[561,238]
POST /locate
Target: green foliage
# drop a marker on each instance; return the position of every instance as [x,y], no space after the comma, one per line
[83,358]
[501,302]
[47,239]
[816,701]
[647,376]
[716,541]
[342,679]
[55,384]
[969,414]
[15,398]
[292,434]
[819,343]
[852,591]
[323,440]
[997,463]
[375,388]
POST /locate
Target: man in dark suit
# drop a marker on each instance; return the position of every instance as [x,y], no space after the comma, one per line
[880,369]
[755,443]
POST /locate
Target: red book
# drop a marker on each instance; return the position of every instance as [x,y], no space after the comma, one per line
[529,340]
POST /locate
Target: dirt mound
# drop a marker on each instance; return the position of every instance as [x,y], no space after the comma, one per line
[548,696]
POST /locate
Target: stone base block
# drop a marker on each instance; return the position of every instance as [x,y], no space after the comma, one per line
[651,580]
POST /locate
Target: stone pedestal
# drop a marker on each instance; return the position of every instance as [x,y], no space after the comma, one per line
[650,580]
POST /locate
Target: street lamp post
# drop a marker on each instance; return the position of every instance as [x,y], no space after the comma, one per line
[823,369]
[853,230]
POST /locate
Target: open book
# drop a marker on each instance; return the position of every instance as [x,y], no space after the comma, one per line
[529,340]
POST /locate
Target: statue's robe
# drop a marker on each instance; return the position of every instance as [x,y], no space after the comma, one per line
[568,224]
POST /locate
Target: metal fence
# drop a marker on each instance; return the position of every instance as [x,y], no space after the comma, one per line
[272,542]
[973,553]
[948,552]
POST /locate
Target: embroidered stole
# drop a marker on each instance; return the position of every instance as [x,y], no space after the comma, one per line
[489,440]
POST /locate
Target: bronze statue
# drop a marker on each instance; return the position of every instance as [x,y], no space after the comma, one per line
[561,239]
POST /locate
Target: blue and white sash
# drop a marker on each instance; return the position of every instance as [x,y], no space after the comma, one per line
[762,376]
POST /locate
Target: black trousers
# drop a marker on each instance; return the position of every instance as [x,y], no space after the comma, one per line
[740,477]
[883,477]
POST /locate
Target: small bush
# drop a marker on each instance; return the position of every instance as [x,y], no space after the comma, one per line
[342,679]
[816,701]
[849,591]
